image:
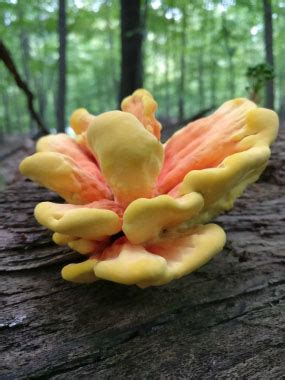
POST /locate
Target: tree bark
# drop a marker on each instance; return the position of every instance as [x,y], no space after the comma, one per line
[6,57]
[282,112]
[201,85]
[144,29]
[6,125]
[131,47]
[181,90]
[230,55]
[213,82]
[61,97]
[24,43]
[113,81]
[25,55]
[225,321]
[6,103]
[212,70]
[167,71]
[268,43]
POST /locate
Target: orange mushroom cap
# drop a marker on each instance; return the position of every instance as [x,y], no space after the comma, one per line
[136,208]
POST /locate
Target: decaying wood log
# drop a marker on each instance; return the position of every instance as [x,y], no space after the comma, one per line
[226,321]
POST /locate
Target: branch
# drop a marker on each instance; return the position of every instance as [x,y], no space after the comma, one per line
[6,57]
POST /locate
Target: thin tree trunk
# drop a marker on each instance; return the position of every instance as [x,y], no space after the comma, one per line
[144,30]
[181,91]
[201,85]
[230,54]
[268,42]
[131,47]
[62,32]
[25,52]
[6,103]
[212,70]
[24,43]
[213,82]
[110,37]
[42,103]
[232,76]
[6,126]
[167,70]
[6,57]
[17,111]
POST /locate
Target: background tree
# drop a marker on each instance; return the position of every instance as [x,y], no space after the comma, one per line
[93,55]
[61,66]
[268,41]
[132,33]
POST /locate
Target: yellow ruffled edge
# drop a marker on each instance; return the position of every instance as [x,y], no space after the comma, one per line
[136,265]
[46,168]
[87,223]
[80,245]
[130,158]
[80,120]
[149,106]
[51,143]
[236,164]
[147,219]
[220,186]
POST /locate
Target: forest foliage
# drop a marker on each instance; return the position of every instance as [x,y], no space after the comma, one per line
[196,54]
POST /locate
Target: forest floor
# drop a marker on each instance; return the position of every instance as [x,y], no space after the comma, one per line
[225,321]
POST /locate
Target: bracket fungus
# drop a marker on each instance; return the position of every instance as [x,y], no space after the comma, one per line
[137,208]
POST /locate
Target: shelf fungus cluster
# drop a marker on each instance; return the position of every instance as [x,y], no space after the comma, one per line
[136,208]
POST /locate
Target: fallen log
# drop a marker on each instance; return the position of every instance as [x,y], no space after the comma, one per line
[225,321]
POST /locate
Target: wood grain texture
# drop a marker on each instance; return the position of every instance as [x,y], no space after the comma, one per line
[226,321]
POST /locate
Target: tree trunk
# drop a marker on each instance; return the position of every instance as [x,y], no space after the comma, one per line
[131,47]
[17,112]
[61,67]
[213,83]
[6,125]
[212,69]
[6,104]
[42,103]
[155,82]
[181,90]
[224,321]
[268,43]
[230,55]
[201,86]
[282,112]
[25,55]
[144,29]
[113,80]
[167,71]
[24,43]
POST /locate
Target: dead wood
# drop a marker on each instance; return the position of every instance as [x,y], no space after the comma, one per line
[226,321]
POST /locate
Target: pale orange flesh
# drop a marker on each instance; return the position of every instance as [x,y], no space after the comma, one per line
[136,107]
[112,251]
[87,164]
[104,204]
[168,248]
[202,144]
